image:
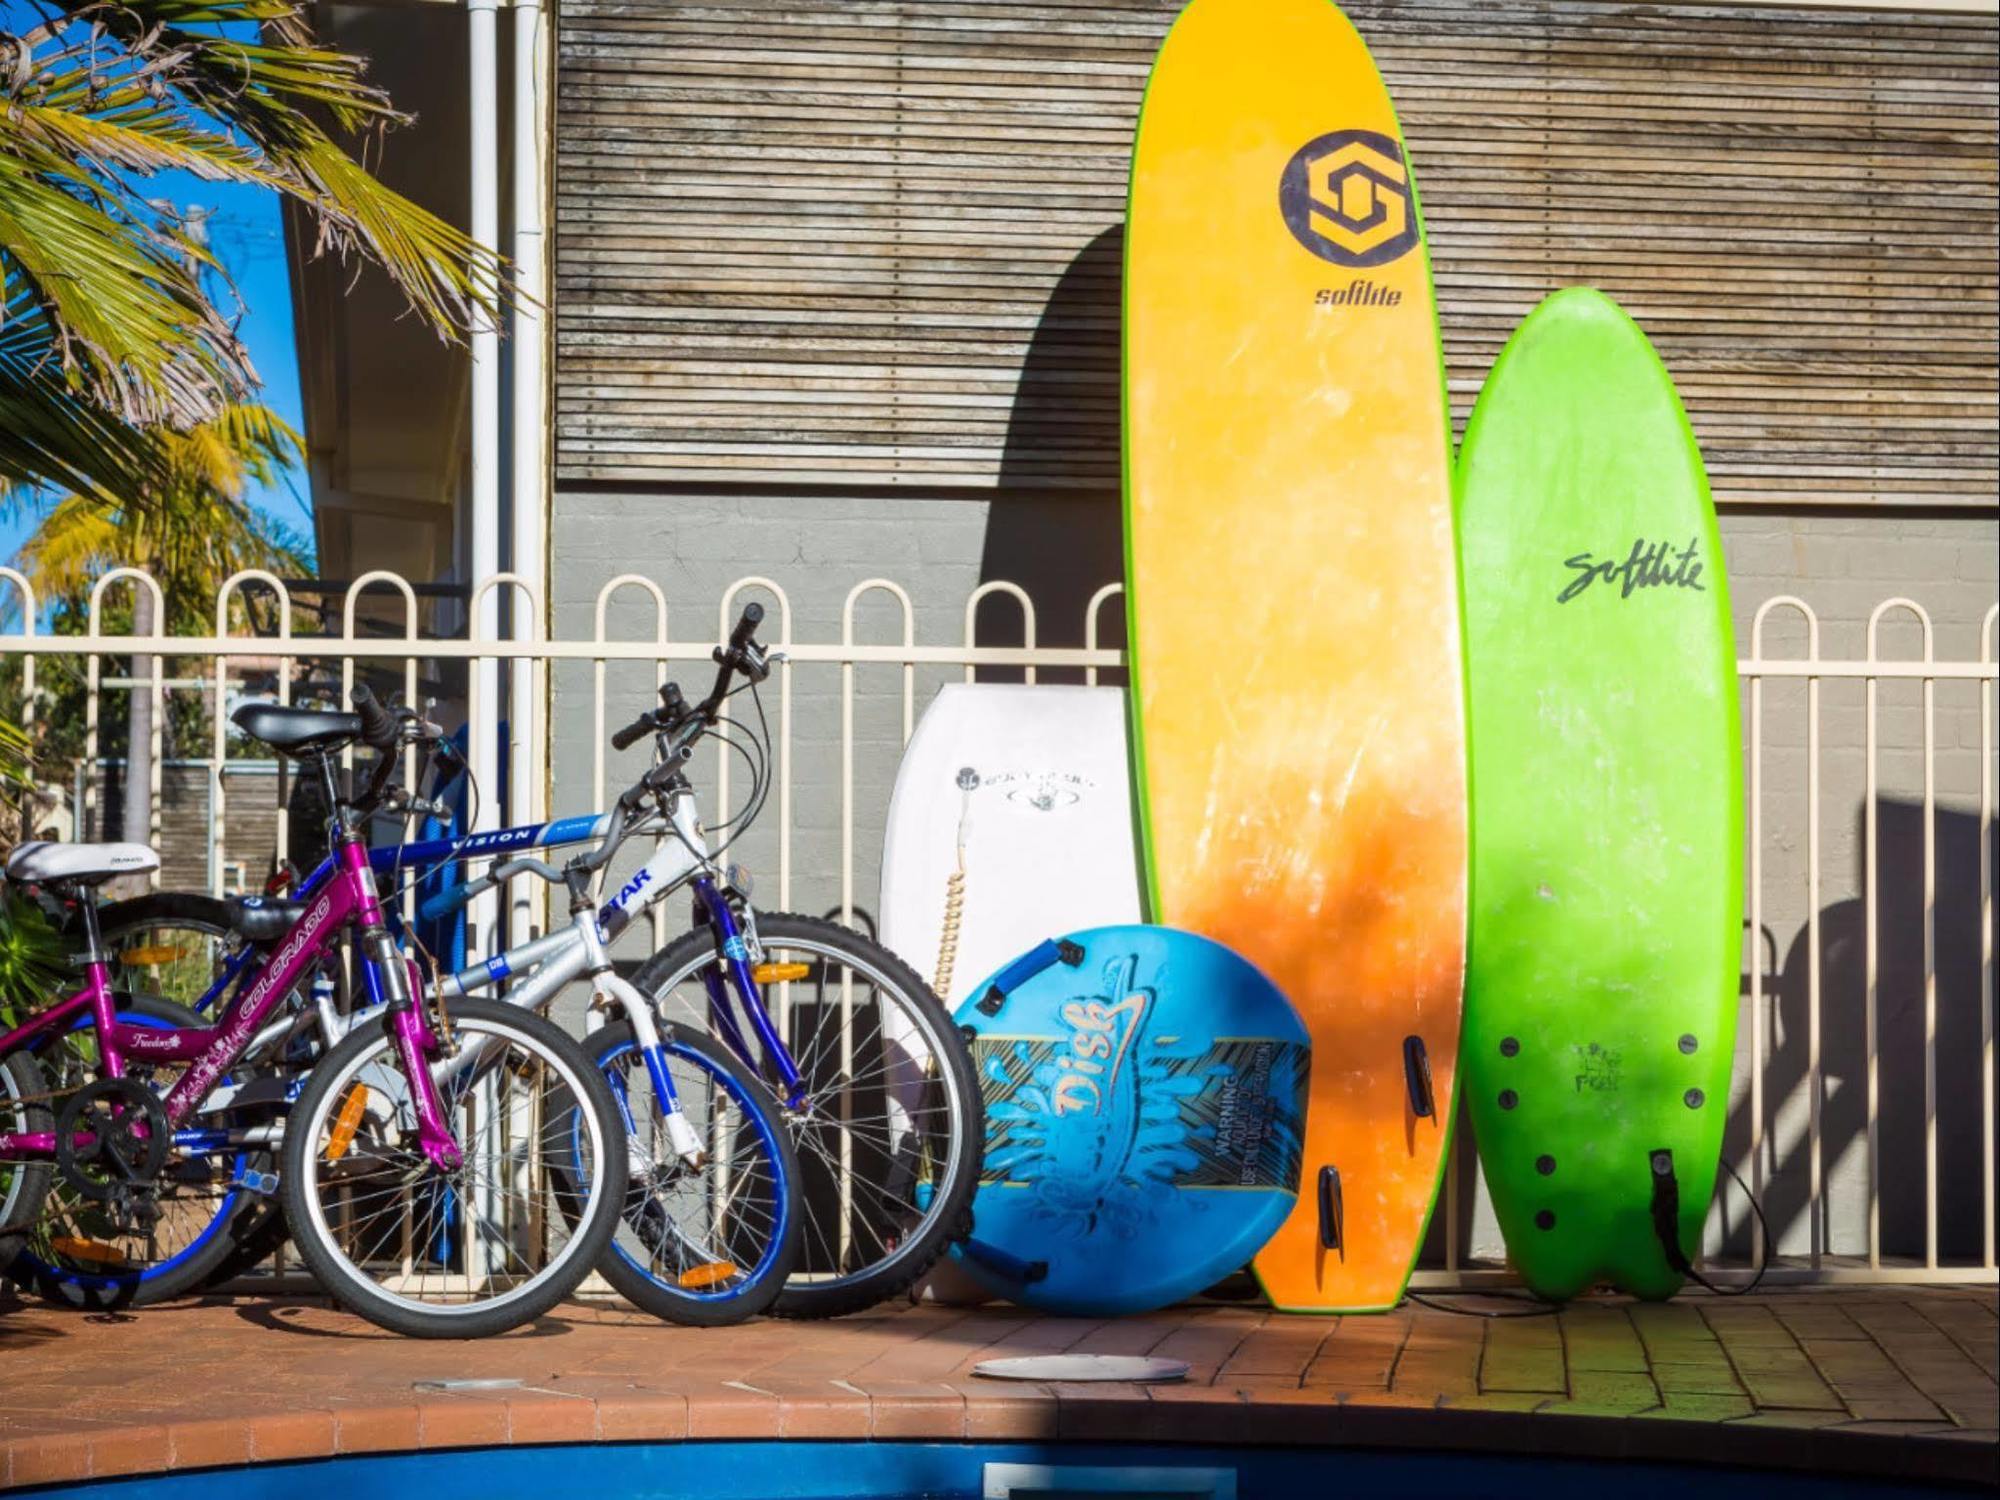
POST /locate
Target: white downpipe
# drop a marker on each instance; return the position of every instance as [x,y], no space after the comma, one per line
[529,436]
[482,87]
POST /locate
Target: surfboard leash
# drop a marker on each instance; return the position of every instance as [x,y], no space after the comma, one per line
[954,893]
[1666,1223]
[1540,1309]
[1666,1217]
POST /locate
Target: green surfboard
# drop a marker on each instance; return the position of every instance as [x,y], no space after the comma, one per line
[1607,805]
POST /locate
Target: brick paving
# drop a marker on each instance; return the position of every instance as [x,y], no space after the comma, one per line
[1897,1382]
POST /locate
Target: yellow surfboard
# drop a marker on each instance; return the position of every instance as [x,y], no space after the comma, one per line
[1293,598]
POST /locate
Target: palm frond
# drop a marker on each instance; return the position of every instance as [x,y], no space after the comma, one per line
[260,93]
[124,317]
[192,532]
[48,436]
[106,317]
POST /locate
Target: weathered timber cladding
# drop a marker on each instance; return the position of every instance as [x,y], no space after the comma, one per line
[822,242]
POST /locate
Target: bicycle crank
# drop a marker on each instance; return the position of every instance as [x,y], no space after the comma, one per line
[112,1140]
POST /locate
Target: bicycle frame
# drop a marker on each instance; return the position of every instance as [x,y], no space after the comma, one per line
[563,955]
[389,857]
[559,957]
[212,1051]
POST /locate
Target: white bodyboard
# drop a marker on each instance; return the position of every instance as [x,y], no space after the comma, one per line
[1034,784]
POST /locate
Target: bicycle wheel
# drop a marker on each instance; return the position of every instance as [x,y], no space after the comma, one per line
[710,1244]
[889,1129]
[486,1246]
[169,946]
[77,1254]
[24,1185]
[173,947]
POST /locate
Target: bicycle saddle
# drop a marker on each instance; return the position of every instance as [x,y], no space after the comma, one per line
[297,731]
[263,919]
[42,863]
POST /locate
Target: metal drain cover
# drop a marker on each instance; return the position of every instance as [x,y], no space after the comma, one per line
[1136,1368]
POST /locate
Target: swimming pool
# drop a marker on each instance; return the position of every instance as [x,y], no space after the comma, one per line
[976,1471]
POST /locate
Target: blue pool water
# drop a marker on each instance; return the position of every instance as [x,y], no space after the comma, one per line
[973,1471]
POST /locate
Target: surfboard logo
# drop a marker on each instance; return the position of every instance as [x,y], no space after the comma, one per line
[1345,196]
[1107,1108]
[1648,565]
[1039,791]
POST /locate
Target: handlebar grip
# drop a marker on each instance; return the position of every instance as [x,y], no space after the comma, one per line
[378,725]
[632,733]
[746,626]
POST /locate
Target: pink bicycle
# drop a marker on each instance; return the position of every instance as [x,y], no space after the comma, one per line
[427,1179]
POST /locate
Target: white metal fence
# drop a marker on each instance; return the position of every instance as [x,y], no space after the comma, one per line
[1886,748]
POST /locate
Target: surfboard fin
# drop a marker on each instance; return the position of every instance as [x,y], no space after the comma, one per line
[1417,1078]
[1667,1210]
[1332,1228]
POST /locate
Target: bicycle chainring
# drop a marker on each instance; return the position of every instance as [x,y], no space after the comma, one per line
[112,1140]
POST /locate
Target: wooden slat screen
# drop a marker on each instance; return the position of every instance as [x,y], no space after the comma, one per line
[876,242]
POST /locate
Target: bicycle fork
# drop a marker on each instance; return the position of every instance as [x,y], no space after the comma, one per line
[734,946]
[608,989]
[388,975]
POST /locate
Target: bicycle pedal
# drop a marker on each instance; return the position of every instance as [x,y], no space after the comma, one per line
[265,1183]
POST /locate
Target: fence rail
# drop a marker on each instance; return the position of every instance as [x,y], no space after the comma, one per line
[561,693]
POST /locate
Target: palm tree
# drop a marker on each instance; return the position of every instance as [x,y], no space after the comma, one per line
[108,327]
[192,530]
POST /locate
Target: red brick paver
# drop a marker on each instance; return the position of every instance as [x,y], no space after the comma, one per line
[1876,1380]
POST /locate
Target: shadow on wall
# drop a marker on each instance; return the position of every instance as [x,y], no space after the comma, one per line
[1843,1213]
[1056,525]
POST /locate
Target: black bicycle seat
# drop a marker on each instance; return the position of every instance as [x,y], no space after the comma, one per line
[297,731]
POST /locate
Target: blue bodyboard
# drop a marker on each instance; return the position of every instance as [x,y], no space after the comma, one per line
[1145,1095]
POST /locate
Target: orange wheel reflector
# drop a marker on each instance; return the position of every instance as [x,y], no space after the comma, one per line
[144,958]
[346,1122]
[697,1277]
[95,1252]
[779,973]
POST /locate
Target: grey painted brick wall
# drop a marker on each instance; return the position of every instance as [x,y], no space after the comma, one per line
[1061,548]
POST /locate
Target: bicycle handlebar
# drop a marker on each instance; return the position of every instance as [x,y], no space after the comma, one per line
[383,730]
[379,727]
[741,654]
[746,626]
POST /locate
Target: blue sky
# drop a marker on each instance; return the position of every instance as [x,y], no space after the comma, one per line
[248,238]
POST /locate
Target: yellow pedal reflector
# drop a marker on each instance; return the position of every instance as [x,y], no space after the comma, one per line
[352,1108]
[694,1278]
[779,973]
[145,958]
[94,1252]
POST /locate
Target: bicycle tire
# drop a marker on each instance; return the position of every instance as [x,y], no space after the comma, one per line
[67,1281]
[641,1287]
[947,1215]
[27,1182]
[349,1284]
[257,1232]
